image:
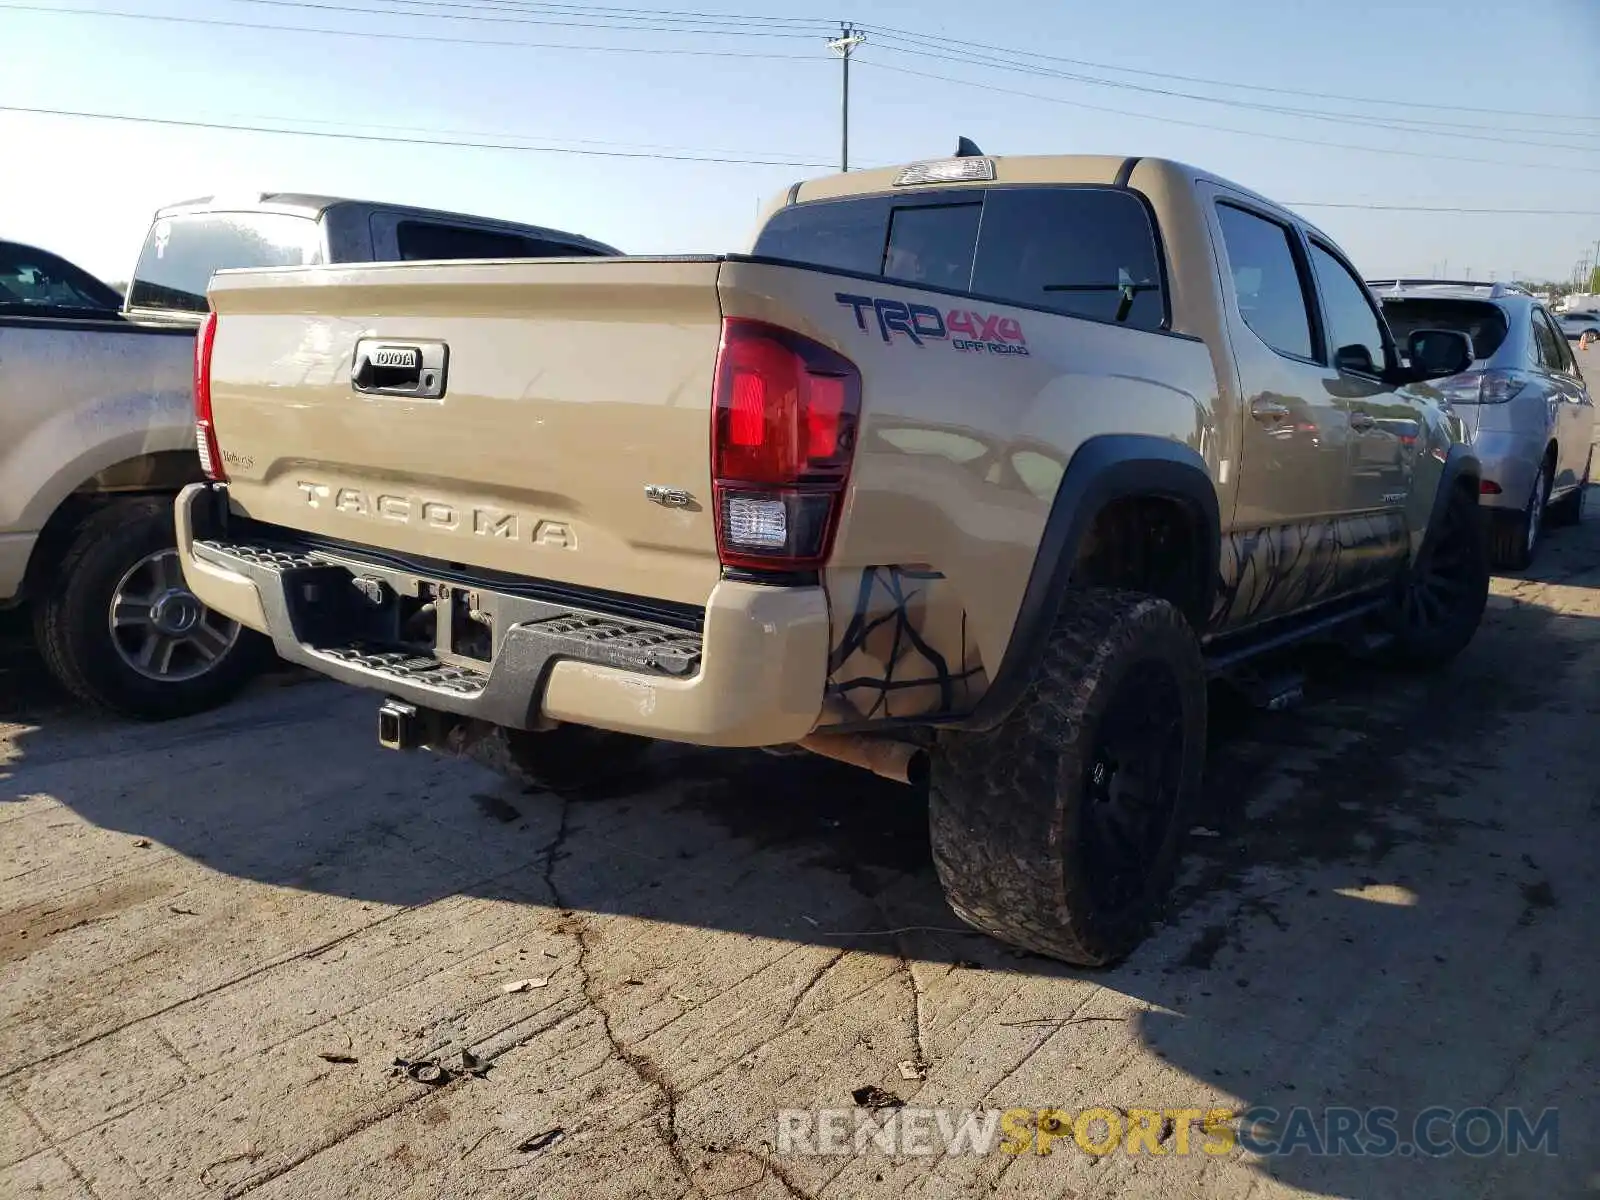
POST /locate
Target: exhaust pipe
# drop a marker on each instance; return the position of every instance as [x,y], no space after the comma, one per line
[899,761]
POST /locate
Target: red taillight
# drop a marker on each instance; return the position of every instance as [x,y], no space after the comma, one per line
[205,430]
[1488,487]
[783,432]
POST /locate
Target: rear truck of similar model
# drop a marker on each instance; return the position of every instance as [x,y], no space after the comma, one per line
[970,471]
[97,430]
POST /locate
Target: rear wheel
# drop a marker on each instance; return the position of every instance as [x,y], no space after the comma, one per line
[572,757]
[1442,598]
[119,627]
[1516,538]
[1059,830]
[1569,509]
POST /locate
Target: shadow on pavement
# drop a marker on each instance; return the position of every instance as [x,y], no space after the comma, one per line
[1361,922]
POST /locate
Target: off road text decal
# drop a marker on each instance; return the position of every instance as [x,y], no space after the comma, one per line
[967,331]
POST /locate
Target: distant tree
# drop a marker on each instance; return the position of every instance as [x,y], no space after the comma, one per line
[119,286]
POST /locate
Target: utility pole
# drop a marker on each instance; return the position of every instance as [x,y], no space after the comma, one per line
[842,45]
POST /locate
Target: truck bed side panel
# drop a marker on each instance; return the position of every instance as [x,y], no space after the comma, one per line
[959,457]
[77,397]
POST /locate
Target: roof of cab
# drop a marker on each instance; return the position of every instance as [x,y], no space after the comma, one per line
[1031,169]
[303,204]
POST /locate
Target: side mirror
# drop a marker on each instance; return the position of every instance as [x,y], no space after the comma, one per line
[1355,358]
[1435,353]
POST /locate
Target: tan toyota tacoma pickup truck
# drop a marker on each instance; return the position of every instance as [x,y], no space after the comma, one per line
[972,470]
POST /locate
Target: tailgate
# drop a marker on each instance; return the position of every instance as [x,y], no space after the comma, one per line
[566,389]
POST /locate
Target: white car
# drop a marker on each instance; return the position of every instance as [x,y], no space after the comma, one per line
[1576,324]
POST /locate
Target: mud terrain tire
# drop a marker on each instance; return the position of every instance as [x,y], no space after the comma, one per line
[1443,595]
[572,757]
[1059,830]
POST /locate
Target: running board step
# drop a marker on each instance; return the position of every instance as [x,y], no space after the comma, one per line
[1225,655]
[1274,692]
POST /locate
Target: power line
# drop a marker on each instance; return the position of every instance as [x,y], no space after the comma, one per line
[406,37]
[479,134]
[1399,125]
[674,154]
[944,43]
[801,26]
[1427,208]
[516,20]
[1255,133]
[655,14]
[173,122]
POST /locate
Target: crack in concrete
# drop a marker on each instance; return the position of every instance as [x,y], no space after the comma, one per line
[816,978]
[918,1030]
[51,1146]
[1539,1039]
[769,1167]
[648,1072]
[245,976]
[1040,1044]
[342,1132]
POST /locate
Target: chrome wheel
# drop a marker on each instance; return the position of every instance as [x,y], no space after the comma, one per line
[160,628]
[1536,505]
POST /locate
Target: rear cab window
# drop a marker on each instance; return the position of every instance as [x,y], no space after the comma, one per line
[1483,322]
[437,241]
[182,252]
[933,245]
[1079,250]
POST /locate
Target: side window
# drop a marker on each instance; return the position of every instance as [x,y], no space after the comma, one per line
[1552,340]
[1348,311]
[933,244]
[44,281]
[425,241]
[1547,343]
[1266,282]
[1086,252]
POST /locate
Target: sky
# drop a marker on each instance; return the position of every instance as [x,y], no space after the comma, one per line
[1498,107]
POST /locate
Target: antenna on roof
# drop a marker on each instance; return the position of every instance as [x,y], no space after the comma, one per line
[967,148]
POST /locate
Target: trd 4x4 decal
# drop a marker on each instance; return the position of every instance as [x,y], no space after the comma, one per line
[967,331]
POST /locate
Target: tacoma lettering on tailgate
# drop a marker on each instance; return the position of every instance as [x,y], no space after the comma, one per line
[439,514]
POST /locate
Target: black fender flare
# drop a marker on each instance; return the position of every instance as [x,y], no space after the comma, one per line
[1104,469]
[1459,463]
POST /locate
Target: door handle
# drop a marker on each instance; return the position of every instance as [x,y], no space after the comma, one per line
[1269,412]
[1360,420]
[414,369]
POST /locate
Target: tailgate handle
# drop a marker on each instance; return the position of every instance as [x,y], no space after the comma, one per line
[415,369]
